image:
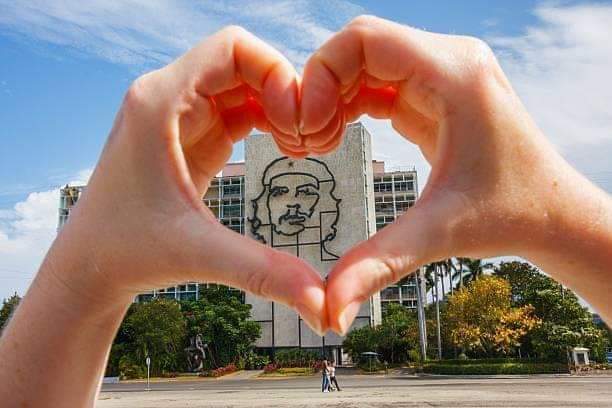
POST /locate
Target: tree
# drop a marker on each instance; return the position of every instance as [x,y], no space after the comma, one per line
[223,320]
[392,339]
[8,306]
[473,269]
[361,340]
[481,319]
[565,322]
[155,329]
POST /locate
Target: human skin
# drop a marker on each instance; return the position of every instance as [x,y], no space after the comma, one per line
[496,187]
[141,223]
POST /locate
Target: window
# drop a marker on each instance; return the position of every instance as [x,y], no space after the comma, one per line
[234,210]
[384,208]
[403,206]
[231,190]
[390,293]
[404,186]
[383,187]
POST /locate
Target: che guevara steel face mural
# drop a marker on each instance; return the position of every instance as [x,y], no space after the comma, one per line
[296,207]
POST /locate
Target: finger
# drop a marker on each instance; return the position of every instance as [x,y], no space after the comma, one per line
[388,103]
[232,98]
[207,155]
[325,135]
[233,57]
[418,237]
[375,51]
[216,254]
[378,103]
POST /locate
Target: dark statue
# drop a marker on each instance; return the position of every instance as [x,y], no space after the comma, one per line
[196,354]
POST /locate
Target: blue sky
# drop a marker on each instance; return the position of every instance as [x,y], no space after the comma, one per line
[58,102]
[64,67]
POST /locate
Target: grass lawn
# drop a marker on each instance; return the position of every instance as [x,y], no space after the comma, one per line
[290,372]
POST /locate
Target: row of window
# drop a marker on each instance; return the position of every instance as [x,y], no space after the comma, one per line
[400,206]
[397,186]
[394,177]
[227,181]
[388,198]
[186,291]
[396,292]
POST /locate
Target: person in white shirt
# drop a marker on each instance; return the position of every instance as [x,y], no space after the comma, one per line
[332,377]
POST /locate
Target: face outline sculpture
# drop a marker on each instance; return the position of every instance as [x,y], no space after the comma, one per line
[291,203]
[296,206]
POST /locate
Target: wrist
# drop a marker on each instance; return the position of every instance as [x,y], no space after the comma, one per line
[71,272]
[577,220]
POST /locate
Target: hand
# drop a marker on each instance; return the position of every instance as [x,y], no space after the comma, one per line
[175,131]
[497,186]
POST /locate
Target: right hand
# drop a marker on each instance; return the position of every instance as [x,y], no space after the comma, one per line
[496,183]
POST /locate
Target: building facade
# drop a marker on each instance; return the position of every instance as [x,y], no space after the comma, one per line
[362,197]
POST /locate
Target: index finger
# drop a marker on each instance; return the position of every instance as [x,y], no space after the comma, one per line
[233,57]
[375,50]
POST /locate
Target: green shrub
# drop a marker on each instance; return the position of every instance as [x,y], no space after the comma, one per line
[295,357]
[128,369]
[414,356]
[254,361]
[495,368]
[371,367]
[500,360]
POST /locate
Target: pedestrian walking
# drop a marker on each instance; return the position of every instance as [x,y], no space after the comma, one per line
[325,380]
[332,377]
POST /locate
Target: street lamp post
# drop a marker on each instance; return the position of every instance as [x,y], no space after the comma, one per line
[148,361]
[421,314]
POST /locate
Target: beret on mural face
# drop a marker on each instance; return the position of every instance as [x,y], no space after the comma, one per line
[285,165]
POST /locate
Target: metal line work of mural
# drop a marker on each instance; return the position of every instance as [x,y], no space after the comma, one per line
[295,196]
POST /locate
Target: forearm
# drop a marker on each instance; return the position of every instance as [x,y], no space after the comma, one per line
[55,348]
[578,245]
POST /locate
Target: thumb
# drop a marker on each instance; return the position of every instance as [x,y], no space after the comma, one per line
[417,237]
[217,254]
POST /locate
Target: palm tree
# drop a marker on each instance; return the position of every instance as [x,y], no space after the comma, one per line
[474,269]
[432,274]
[450,268]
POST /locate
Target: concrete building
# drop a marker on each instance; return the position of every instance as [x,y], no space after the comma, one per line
[316,209]
[355,197]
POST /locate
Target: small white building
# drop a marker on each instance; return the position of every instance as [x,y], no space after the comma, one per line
[580,356]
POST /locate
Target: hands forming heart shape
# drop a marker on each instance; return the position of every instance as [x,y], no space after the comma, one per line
[497,187]
[175,131]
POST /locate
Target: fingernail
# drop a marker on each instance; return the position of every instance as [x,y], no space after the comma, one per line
[301,128]
[313,320]
[347,316]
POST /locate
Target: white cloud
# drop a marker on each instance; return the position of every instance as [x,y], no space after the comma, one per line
[560,66]
[561,69]
[26,232]
[149,33]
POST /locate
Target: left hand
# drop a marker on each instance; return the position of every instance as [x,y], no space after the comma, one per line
[141,222]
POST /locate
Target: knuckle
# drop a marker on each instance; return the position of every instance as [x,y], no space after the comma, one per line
[258,283]
[363,22]
[235,31]
[144,96]
[137,94]
[390,271]
[480,59]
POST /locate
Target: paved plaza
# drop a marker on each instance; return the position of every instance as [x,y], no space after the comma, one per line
[367,391]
